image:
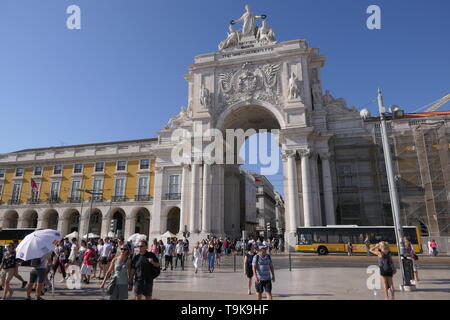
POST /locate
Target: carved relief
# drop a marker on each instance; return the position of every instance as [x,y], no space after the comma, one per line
[205,97]
[294,88]
[250,83]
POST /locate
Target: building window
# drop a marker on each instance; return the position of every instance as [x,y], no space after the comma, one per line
[174,184]
[35,194]
[16,192]
[2,173]
[1,189]
[346,176]
[99,166]
[97,189]
[143,186]
[120,187]
[75,191]
[57,169]
[38,171]
[144,164]
[121,165]
[54,193]
[78,168]
[19,172]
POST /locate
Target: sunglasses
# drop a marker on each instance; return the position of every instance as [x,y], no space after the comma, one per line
[140,246]
[124,249]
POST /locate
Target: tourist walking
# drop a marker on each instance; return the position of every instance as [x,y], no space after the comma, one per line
[349,248]
[367,243]
[99,257]
[38,275]
[185,249]
[105,255]
[168,255]
[433,246]
[248,266]
[145,267]
[196,254]
[204,253]
[179,254]
[86,267]
[7,270]
[414,258]
[211,256]
[264,273]
[218,248]
[387,268]
[155,247]
[59,260]
[119,270]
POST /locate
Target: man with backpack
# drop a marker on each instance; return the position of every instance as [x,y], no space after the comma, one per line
[145,267]
[262,269]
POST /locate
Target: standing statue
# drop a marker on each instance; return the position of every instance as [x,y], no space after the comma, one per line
[249,19]
[328,98]
[265,34]
[232,39]
[205,97]
[293,87]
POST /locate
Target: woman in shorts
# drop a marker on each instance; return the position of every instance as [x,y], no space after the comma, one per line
[248,268]
[387,268]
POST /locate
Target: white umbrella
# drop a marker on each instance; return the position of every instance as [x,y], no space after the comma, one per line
[72,235]
[37,244]
[135,238]
[91,236]
[168,234]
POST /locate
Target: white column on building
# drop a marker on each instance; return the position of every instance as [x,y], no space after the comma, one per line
[206,203]
[306,187]
[194,209]
[314,178]
[106,224]
[292,190]
[157,201]
[184,195]
[220,213]
[130,225]
[328,189]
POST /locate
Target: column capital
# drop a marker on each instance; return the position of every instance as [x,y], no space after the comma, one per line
[306,152]
[159,169]
[186,166]
[288,154]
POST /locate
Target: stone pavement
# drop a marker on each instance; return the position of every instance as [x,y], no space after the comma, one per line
[332,277]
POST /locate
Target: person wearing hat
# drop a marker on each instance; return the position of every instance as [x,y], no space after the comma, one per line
[264,273]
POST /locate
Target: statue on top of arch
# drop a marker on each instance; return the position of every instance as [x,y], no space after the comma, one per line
[264,35]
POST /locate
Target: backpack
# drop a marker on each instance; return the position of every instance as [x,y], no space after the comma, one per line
[385,264]
[36,263]
[154,271]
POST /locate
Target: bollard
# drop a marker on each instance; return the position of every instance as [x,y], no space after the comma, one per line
[290,263]
[234,262]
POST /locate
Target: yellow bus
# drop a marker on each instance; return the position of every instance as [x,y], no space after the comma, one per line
[9,235]
[334,239]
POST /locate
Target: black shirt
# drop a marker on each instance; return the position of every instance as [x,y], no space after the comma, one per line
[9,260]
[142,267]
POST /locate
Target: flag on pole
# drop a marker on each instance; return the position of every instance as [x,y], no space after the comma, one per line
[34,186]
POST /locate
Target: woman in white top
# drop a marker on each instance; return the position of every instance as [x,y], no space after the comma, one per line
[196,254]
[73,252]
[81,251]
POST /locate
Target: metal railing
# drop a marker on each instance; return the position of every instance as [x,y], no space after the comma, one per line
[14,201]
[74,199]
[54,199]
[118,198]
[142,197]
[172,196]
[33,200]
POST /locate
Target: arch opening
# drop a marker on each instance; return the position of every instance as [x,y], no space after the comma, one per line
[173,220]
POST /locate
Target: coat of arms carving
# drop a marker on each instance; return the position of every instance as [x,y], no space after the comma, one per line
[250,83]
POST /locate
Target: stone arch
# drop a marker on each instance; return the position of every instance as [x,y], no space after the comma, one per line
[30,219]
[95,221]
[71,221]
[173,220]
[265,110]
[140,220]
[49,219]
[118,214]
[10,219]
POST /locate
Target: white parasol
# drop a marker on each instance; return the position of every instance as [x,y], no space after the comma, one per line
[168,234]
[135,238]
[91,236]
[72,235]
[37,244]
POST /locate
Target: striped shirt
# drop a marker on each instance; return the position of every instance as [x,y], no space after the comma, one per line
[262,264]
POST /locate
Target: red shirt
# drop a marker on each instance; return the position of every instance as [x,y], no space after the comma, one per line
[88,256]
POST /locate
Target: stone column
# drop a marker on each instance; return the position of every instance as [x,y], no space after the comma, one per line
[156,225]
[206,203]
[193,227]
[314,178]
[62,225]
[40,223]
[130,225]
[21,222]
[184,196]
[292,190]
[328,189]
[306,187]
[106,223]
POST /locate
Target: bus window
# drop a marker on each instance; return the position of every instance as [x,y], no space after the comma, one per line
[333,238]
[320,236]
[304,238]
[411,234]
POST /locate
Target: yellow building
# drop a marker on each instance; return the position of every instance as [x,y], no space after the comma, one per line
[121,175]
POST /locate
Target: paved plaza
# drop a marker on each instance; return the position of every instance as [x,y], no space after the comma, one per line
[311,278]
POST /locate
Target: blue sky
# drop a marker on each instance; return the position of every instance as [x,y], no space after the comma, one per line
[120,76]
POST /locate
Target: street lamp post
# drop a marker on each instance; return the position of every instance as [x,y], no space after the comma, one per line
[395,204]
[92,193]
